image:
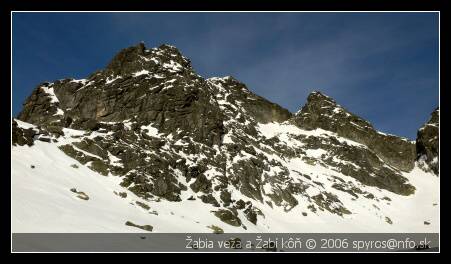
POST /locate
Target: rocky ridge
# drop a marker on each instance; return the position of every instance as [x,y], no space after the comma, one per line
[170,134]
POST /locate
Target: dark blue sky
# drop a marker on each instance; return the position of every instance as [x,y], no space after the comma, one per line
[381,66]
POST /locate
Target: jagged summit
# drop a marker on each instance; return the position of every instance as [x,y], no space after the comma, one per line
[321,104]
[316,95]
[428,143]
[125,58]
[321,107]
[138,58]
[147,85]
[321,111]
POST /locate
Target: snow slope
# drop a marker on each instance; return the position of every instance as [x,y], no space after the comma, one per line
[43,202]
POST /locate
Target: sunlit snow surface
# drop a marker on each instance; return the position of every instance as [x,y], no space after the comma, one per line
[42,200]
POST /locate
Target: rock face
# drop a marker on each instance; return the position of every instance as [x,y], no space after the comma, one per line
[258,107]
[149,119]
[321,111]
[141,85]
[428,143]
[21,136]
[172,97]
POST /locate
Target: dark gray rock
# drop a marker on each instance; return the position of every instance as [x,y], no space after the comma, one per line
[321,111]
[143,227]
[427,143]
[186,105]
[202,184]
[329,202]
[226,197]
[209,199]
[256,106]
[20,136]
[228,217]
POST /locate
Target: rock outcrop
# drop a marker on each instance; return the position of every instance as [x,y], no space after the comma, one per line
[428,143]
[21,136]
[323,112]
[142,85]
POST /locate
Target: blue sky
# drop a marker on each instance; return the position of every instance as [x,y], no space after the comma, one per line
[381,66]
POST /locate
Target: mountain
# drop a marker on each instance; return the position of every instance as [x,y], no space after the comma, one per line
[148,144]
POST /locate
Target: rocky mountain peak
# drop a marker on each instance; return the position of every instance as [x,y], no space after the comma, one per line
[138,58]
[428,143]
[319,106]
[434,120]
[126,58]
[323,112]
[317,97]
